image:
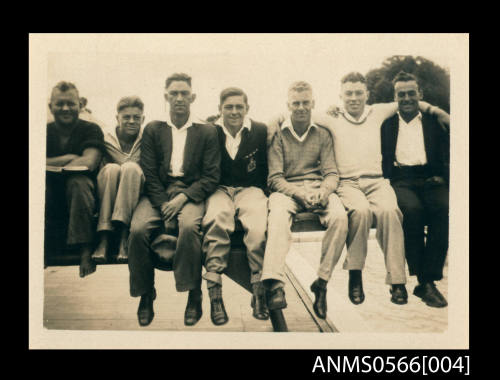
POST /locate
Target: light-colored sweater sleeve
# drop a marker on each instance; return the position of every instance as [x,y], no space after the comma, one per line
[276,179]
[329,169]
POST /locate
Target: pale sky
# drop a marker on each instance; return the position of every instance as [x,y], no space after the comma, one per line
[107,67]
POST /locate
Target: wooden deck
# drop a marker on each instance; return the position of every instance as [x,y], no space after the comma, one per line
[101,301]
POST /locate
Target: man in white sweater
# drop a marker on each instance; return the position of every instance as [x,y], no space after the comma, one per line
[366,195]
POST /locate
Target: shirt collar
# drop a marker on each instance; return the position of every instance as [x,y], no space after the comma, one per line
[288,124]
[363,117]
[246,124]
[418,117]
[112,137]
[188,123]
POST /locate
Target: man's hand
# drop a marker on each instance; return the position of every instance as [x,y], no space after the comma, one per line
[61,160]
[323,200]
[305,199]
[172,208]
[333,110]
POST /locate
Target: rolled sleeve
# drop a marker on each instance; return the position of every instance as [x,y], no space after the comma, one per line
[276,179]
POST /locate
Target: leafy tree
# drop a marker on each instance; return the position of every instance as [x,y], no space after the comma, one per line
[433,80]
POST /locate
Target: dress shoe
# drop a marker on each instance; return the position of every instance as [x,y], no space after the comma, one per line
[217,310]
[430,295]
[145,312]
[258,303]
[319,305]
[356,294]
[276,299]
[398,294]
[193,308]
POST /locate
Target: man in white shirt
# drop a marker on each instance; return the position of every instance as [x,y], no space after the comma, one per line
[181,162]
[366,195]
[416,160]
[239,197]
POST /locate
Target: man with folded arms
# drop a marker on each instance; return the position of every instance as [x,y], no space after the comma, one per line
[415,157]
[240,195]
[120,180]
[303,176]
[365,193]
[72,143]
[181,162]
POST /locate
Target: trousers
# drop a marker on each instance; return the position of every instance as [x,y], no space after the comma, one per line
[249,206]
[367,200]
[188,260]
[424,203]
[281,211]
[70,207]
[119,188]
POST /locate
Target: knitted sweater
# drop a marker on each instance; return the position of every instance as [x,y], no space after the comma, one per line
[291,161]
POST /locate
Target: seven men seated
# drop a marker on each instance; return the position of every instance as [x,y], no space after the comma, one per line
[365,165]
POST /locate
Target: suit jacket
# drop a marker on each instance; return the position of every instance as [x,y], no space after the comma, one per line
[436,141]
[201,164]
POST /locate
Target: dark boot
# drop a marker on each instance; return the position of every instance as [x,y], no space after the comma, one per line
[259,302]
[399,295]
[318,287]
[193,308]
[275,298]
[430,295]
[145,313]
[356,294]
[217,310]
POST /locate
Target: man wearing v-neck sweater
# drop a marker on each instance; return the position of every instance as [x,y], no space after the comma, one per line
[303,177]
[239,196]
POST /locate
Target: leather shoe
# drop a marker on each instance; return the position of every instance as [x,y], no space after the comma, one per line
[217,310]
[356,294]
[276,299]
[145,312]
[319,305]
[258,303]
[430,295]
[399,295]
[193,308]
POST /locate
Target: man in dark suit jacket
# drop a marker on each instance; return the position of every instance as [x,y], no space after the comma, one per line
[240,195]
[416,151]
[181,162]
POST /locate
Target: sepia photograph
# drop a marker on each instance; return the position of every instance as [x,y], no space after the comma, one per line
[208,191]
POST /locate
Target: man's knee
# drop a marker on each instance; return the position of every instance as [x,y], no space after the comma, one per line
[389,211]
[360,215]
[278,202]
[110,170]
[130,168]
[412,211]
[79,184]
[189,225]
[337,219]
[218,217]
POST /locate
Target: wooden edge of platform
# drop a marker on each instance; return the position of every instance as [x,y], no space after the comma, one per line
[324,325]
